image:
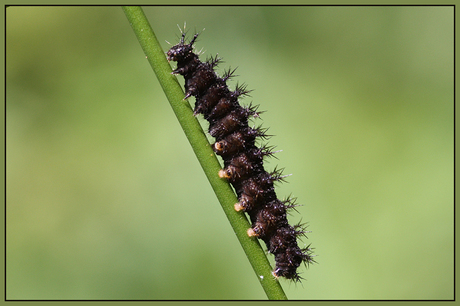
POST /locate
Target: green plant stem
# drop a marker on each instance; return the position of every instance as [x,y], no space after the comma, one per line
[202,148]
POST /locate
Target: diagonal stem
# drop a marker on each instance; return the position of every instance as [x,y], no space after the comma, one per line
[202,148]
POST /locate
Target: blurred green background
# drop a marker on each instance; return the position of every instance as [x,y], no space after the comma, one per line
[105,199]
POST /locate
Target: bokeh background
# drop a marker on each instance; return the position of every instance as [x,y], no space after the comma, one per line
[105,199]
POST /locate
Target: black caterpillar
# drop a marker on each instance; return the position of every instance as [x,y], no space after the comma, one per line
[243,160]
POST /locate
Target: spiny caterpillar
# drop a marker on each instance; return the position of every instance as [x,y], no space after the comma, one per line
[235,142]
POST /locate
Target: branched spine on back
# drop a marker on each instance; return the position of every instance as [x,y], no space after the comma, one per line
[243,160]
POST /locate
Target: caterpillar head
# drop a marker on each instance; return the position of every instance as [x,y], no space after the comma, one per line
[181,51]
